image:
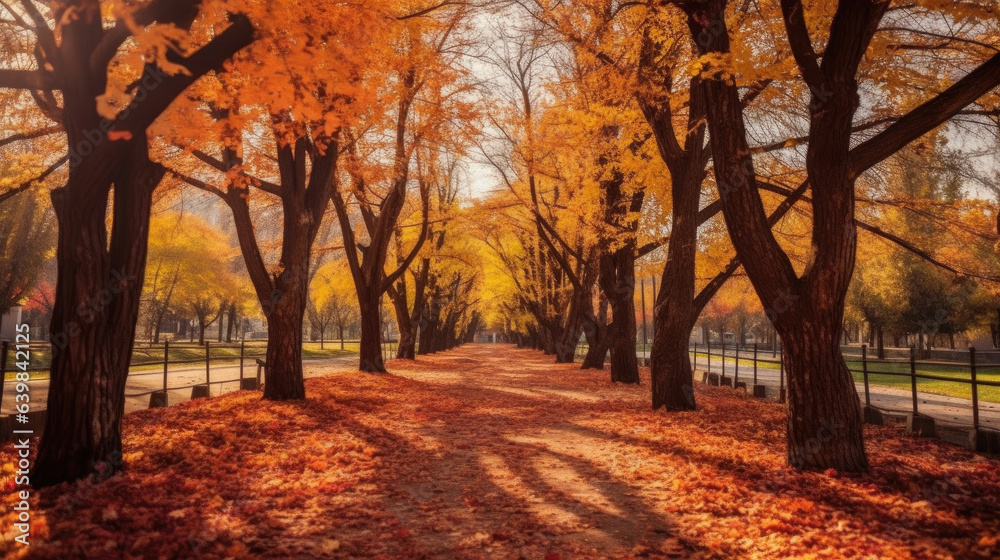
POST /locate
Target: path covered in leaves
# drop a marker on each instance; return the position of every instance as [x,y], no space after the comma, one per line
[493,452]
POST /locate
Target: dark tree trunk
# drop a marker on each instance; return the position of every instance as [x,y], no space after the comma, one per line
[221,319]
[675,310]
[94,319]
[595,330]
[407,330]
[283,379]
[824,413]
[429,324]
[617,281]
[371,334]
[283,296]
[340,331]
[99,284]
[230,323]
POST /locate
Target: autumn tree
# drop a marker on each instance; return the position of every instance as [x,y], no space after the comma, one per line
[824,420]
[309,91]
[332,302]
[437,176]
[105,97]
[422,90]
[27,238]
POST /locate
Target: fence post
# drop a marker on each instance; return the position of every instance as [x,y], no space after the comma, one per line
[781,380]
[723,356]
[242,348]
[754,363]
[208,360]
[913,376]
[736,369]
[975,388]
[3,367]
[653,327]
[864,370]
[642,297]
[166,362]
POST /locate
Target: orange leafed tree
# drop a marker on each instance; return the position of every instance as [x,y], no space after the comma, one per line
[76,60]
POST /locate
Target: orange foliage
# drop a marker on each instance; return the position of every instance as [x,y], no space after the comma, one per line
[488,452]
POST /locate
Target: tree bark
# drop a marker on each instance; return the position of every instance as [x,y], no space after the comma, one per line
[617,281]
[824,413]
[596,333]
[283,379]
[675,311]
[231,322]
[371,333]
[93,334]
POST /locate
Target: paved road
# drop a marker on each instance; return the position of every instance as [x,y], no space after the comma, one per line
[950,411]
[225,379]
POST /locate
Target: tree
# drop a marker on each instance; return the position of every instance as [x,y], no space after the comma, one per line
[427,90]
[331,300]
[824,420]
[441,186]
[100,276]
[303,118]
[27,238]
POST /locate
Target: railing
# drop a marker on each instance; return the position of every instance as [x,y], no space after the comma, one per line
[910,372]
[213,355]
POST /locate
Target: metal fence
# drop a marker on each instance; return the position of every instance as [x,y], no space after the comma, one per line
[249,355]
[965,373]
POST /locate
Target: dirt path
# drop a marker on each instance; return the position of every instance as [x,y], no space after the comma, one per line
[494,452]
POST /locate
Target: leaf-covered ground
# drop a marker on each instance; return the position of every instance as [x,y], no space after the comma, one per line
[492,452]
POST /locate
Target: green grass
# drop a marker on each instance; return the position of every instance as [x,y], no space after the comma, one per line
[934,386]
[186,354]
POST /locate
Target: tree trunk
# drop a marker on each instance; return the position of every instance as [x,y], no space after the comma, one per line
[371,334]
[996,331]
[407,335]
[230,323]
[617,280]
[340,331]
[597,344]
[94,319]
[283,380]
[824,413]
[674,313]
[429,325]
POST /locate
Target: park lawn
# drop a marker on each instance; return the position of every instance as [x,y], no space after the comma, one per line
[934,386]
[493,452]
